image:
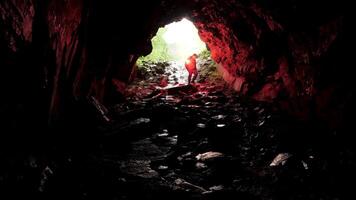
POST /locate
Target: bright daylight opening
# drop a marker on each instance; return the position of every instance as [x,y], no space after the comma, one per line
[172,45]
[183,40]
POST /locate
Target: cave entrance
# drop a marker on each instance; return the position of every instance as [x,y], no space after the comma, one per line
[171,46]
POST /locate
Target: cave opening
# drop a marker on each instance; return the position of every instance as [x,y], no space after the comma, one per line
[267,118]
[172,46]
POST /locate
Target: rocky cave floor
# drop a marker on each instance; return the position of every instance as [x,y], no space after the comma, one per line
[188,142]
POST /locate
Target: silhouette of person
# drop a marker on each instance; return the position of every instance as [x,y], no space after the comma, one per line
[191,66]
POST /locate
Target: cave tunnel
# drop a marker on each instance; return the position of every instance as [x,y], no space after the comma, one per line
[171,59]
[269,117]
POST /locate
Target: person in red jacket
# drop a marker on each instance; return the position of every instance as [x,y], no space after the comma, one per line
[191,66]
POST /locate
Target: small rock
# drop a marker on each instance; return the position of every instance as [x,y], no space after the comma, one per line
[179,181]
[218,117]
[216,188]
[187,154]
[123,180]
[189,186]
[261,123]
[162,167]
[140,121]
[280,159]
[237,119]
[200,125]
[200,165]
[184,156]
[163,135]
[173,140]
[209,155]
[305,165]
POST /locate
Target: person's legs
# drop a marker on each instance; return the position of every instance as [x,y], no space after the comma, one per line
[195,74]
[189,77]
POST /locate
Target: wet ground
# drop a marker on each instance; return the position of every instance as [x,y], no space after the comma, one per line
[186,142]
[203,142]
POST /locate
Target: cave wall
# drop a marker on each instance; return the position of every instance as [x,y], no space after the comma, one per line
[57,52]
[282,52]
[21,75]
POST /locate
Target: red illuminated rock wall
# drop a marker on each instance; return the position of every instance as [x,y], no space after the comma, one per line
[282,52]
[55,52]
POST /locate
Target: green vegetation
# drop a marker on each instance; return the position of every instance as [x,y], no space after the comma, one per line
[174,42]
[204,55]
[208,68]
[159,52]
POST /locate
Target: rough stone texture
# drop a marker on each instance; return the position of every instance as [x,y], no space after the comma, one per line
[275,52]
[64,19]
[17,16]
[296,54]
[289,52]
